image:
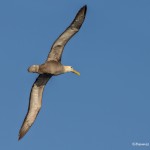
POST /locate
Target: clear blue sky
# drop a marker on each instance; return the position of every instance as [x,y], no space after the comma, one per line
[108,106]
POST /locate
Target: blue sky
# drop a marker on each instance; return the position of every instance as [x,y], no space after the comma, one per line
[107,107]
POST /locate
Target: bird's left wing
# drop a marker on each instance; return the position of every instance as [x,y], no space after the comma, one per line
[34,103]
[59,44]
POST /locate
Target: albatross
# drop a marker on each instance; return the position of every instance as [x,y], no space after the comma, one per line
[51,67]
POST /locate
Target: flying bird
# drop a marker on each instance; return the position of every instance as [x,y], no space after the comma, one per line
[51,67]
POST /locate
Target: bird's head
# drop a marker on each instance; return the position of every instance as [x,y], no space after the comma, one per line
[70,69]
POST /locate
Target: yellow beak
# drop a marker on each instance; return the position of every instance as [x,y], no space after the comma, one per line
[76,72]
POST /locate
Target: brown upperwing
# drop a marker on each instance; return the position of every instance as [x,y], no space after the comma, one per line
[59,44]
[34,103]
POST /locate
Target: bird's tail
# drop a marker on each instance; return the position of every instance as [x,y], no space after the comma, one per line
[34,68]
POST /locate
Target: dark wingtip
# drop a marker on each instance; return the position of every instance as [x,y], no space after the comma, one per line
[20,136]
[84,8]
[22,133]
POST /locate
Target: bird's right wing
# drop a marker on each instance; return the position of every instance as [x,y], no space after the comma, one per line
[34,103]
[59,44]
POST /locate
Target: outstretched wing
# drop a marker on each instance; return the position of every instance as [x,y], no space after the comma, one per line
[59,44]
[34,103]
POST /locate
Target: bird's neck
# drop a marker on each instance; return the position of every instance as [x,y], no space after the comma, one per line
[66,69]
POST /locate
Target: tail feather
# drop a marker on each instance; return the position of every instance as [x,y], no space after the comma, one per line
[34,68]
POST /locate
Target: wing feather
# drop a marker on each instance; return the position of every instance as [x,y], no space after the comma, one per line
[59,44]
[35,103]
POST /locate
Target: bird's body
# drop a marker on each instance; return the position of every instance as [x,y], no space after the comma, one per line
[51,67]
